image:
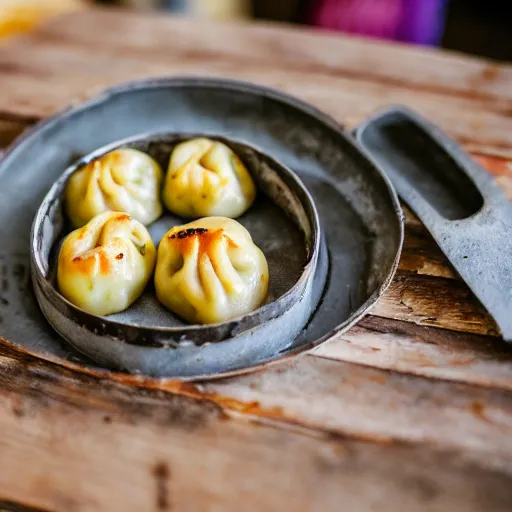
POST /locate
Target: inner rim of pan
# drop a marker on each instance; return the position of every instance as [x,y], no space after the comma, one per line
[276,184]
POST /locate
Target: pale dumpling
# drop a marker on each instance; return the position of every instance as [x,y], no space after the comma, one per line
[206,178]
[104,266]
[124,180]
[210,271]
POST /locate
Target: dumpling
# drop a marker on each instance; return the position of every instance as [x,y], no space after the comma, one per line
[210,271]
[205,178]
[124,180]
[104,266]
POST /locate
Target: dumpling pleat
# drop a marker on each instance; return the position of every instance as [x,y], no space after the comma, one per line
[224,269]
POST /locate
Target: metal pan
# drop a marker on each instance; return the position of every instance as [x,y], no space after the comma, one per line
[359,211]
[283,222]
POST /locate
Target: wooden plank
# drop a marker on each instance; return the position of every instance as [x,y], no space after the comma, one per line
[434,302]
[73,442]
[372,404]
[420,253]
[167,445]
[299,49]
[499,167]
[430,352]
[347,101]
[315,395]
[48,55]
[9,130]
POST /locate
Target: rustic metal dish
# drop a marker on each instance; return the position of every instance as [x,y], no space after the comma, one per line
[283,222]
[359,211]
[459,202]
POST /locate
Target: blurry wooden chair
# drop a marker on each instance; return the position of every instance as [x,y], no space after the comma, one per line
[22,15]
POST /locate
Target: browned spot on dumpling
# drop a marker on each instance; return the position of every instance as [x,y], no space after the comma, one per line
[117,157]
[85,265]
[186,233]
[98,257]
[123,217]
[120,256]
[104,262]
[207,239]
[232,244]
[81,263]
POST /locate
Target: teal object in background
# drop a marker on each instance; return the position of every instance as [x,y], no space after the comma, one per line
[176,5]
[210,9]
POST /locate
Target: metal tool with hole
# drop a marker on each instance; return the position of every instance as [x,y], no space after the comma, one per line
[458,201]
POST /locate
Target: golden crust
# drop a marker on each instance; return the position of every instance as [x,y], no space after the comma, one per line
[122,180]
[210,271]
[206,178]
[104,266]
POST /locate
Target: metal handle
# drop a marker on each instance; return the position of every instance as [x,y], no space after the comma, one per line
[470,222]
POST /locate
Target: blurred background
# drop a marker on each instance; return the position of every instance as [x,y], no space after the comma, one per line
[479,27]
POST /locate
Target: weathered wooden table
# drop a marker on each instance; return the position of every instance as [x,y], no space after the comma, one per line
[411,410]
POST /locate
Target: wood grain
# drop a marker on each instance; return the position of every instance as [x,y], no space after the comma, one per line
[372,404]
[344,76]
[315,395]
[299,49]
[9,130]
[435,302]
[147,450]
[426,351]
[62,49]
[403,412]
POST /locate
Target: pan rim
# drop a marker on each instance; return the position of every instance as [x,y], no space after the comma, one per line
[281,304]
[254,89]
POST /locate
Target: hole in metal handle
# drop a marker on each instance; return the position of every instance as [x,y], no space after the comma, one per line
[413,159]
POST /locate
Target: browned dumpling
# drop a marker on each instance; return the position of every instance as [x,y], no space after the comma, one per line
[206,178]
[210,271]
[104,266]
[124,180]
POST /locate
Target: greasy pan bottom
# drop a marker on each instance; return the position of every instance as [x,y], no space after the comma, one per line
[359,212]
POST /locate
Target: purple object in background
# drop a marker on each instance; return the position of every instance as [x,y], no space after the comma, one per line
[413,21]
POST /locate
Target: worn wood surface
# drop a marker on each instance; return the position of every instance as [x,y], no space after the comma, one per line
[71,442]
[410,410]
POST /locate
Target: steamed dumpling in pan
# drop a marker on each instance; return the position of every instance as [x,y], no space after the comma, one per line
[104,266]
[205,178]
[124,180]
[210,271]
